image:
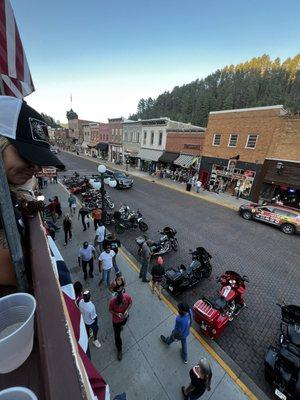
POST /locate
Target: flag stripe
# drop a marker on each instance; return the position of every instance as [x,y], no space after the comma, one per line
[3,44]
[19,56]
[10,38]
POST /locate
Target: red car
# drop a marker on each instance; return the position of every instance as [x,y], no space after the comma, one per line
[285,218]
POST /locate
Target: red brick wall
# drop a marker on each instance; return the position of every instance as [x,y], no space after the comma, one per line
[185,142]
[259,122]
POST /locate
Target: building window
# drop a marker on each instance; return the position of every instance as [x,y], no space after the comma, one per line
[152,137]
[131,137]
[233,140]
[251,141]
[145,137]
[138,137]
[217,139]
[125,136]
[160,138]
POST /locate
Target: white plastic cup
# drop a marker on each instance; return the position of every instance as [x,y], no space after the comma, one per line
[17,393]
[16,330]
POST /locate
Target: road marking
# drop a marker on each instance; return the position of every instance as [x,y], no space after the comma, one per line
[201,340]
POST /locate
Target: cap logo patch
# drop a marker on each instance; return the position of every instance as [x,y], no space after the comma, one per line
[39,130]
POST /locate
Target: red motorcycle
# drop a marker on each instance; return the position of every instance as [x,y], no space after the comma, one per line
[214,315]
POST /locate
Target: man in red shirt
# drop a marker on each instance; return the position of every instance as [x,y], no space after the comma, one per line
[119,307]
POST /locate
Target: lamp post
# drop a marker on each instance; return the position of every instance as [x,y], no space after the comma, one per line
[112,183]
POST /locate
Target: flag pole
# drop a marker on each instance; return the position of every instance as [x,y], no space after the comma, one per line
[8,219]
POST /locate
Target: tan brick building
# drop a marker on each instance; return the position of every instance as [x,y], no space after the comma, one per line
[185,142]
[237,142]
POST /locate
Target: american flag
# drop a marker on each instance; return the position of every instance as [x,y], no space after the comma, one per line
[15,77]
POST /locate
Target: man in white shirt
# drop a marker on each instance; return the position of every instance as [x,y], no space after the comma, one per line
[100,236]
[86,257]
[198,185]
[106,262]
[89,315]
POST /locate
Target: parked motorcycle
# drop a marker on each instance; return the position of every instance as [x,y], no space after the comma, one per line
[132,220]
[214,315]
[282,363]
[166,242]
[179,279]
[93,198]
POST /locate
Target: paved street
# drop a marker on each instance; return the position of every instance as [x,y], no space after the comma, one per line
[268,257]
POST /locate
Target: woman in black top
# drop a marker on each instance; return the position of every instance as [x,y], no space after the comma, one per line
[200,380]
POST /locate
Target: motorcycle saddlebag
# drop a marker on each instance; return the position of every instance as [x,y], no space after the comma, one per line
[173,275]
[270,360]
[203,311]
[140,240]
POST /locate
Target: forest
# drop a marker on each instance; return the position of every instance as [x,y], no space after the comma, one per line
[258,82]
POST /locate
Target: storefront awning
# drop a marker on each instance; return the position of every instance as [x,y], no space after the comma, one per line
[149,155]
[185,160]
[102,146]
[168,157]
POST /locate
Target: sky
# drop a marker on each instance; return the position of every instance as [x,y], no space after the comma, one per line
[109,54]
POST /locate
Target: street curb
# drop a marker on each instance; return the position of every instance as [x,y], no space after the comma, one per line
[234,371]
[153,180]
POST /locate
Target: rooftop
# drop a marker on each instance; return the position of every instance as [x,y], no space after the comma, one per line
[280,107]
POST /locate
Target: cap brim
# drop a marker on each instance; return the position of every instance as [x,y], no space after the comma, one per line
[37,155]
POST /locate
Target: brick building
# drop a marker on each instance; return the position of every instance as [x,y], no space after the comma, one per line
[236,145]
[280,176]
[115,149]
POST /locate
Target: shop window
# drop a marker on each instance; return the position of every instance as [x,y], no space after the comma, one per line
[125,136]
[138,137]
[152,137]
[251,141]
[145,137]
[160,138]
[217,139]
[233,140]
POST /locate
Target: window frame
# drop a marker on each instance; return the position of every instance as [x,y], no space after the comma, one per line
[145,137]
[152,138]
[214,138]
[160,138]
[230,137]
[248,137]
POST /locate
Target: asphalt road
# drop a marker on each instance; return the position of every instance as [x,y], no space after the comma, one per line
[268,257]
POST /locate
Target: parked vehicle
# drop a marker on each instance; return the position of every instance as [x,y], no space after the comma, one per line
[122,179]
[166,242]
[179,279]
[93,198]
[285,218]
[214,315]
[282,363]
[131,220]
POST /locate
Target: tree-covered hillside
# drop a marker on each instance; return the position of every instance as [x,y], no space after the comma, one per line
[258,82]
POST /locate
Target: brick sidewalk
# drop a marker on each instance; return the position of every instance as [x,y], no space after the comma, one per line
[149,369]
[221,199]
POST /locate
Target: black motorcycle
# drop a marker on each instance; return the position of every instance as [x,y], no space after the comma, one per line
[166,242]
[282,363]
[179,279]
[132,221]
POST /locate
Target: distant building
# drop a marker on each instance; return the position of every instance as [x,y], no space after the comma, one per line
[132,133]
[115,149]
[75,126]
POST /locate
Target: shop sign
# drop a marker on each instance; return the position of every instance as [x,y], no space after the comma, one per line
[50,172]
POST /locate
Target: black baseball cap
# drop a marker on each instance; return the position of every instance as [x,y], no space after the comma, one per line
[27,131]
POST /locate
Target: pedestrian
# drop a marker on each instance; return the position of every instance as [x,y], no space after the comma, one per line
[200,377]
[118,284]
[97,216]
[55,178]
[198,185]
[119,307]
[51,208]
[157,273]
[89,315]
[181,330]
[237,189]
[45,182]
[86,256]
[57,206]
[84,214]
[189,184]
[146,256]
[67,226]
[72,204]
[40,183]
[114,244]
[78,289]
[99,238]
[106,262]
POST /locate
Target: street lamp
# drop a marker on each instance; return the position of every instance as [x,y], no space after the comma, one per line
[112,183]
